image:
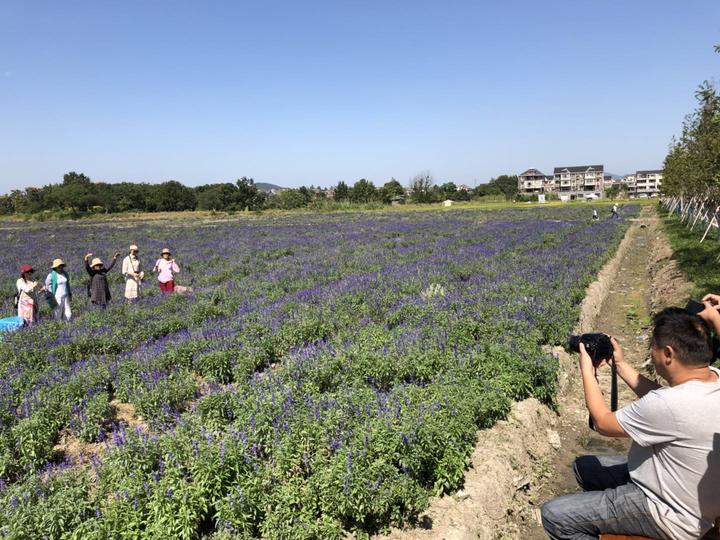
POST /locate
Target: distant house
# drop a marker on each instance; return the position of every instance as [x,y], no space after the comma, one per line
[463,187]
[448,202]
[397,200]
[648,183]
[629,182]
[579,182]
[531,181]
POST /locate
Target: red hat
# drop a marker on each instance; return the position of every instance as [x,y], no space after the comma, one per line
[26,268]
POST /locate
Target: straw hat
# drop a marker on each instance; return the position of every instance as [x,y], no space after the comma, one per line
[96,261]
[57,262]
[133,247]
[164,251]
[26,268]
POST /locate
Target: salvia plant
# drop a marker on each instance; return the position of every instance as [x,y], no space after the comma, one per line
[328,374]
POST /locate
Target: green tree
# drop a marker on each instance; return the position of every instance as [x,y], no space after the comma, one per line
[288,199]
[363,191]
[248,195]
[449,189]
[391,189]
[613,191]
[421,188]
[217,197]
[342,192]
[172,196]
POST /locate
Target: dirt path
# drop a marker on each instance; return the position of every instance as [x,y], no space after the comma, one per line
[623,314]
[526,460]
[646,280]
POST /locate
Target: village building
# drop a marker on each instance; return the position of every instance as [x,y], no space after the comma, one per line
[532,181]
[648,183]
[629,182]
[579,182]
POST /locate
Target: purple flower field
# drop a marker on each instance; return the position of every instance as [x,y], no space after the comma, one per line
[328,374]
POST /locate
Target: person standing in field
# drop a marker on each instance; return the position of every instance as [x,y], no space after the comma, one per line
[57,283]
[27,294]
[132,271]
[614,213]
[98,288]
[165,267]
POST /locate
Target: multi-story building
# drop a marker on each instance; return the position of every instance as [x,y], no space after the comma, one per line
[531,181]
[648,183]
[579,182]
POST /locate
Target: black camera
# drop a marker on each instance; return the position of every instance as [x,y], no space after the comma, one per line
[597,345]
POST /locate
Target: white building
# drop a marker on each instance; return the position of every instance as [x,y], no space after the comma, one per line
[579,182]
[648,183]
[531,181]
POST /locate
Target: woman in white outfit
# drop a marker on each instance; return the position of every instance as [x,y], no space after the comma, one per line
[57,283]
[132,271]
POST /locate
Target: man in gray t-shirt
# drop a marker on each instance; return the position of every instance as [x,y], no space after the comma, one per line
[667,487]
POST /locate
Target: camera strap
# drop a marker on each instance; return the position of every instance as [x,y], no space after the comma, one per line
[613,393]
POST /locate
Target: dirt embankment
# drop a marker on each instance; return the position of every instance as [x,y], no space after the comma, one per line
[525,460]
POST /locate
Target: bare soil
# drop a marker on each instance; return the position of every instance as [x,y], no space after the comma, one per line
[524,461]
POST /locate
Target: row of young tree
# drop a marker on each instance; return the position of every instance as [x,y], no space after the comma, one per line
[692,166]
[77,194]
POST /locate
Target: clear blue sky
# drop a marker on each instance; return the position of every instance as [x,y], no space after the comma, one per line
[316,92]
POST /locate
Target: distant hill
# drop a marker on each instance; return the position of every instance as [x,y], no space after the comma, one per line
[264,186]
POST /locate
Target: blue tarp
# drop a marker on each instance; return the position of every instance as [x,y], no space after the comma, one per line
[10,324]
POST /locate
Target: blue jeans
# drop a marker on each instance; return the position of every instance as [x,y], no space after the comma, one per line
[611,503]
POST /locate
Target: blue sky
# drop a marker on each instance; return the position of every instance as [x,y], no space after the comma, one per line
[316,92]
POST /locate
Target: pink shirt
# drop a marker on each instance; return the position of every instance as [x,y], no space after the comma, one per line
[165,270]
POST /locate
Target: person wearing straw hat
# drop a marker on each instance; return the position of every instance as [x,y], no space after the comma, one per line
[98,288]
[132,271]
[57,285]
[165,267]
[27,294]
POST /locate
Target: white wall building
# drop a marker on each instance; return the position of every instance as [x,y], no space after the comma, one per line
[648,183]
[579,182]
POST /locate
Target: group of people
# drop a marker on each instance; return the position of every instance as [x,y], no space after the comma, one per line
[614,213]
[57,293]
[667,487]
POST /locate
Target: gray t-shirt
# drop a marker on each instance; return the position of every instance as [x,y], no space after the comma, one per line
[675,454]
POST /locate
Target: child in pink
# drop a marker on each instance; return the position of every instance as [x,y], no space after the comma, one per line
[165,268]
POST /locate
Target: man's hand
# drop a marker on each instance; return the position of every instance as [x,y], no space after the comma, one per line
[585,360]
[603,418]
[88,256]
[711,313]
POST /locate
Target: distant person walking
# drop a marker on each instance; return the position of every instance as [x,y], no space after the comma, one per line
[133,273]
[27,294]
[98,288]
[165,267]
[57,285]
[614,213]
[595,214]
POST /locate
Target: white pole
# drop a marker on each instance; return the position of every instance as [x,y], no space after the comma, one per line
[713,221]
[701,211]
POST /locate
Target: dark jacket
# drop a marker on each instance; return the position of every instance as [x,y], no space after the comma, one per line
[98,288]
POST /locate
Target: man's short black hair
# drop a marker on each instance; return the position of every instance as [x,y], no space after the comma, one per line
[686,333]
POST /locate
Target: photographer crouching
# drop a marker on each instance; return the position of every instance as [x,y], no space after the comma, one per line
[668,486]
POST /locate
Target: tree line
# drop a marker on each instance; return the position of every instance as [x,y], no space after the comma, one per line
[78,194]
[692,165]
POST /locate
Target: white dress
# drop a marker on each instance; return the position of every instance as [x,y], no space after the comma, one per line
[62,296]
[131,266]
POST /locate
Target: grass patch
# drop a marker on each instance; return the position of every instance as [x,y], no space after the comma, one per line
[697,261]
